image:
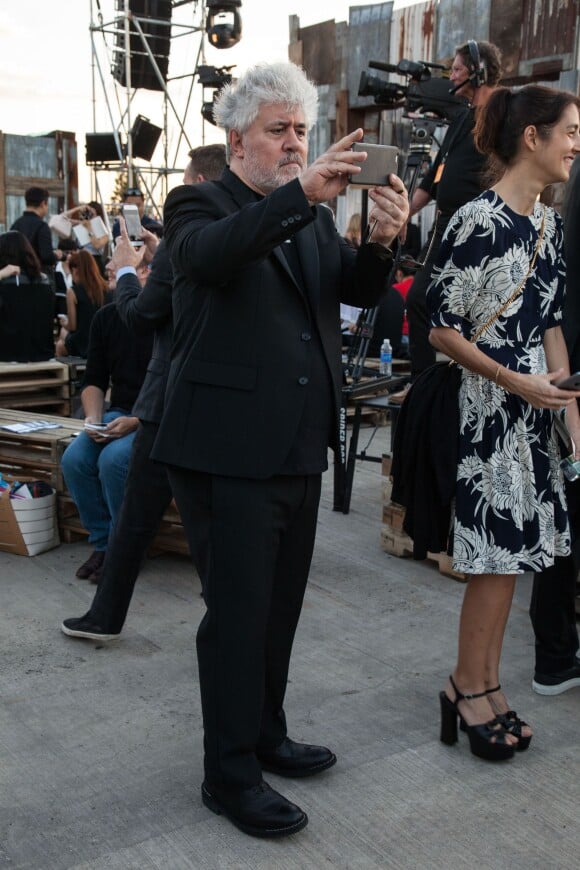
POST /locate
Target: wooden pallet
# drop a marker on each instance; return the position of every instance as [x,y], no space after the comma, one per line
[170,537]
[399,544]
[396,542]
[44,385]
[36,455]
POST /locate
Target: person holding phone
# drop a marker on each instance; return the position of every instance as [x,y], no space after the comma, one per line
[96,463]
[259,274]
[496,302]
[134,196]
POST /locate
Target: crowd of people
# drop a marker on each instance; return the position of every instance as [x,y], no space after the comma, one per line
[236,314]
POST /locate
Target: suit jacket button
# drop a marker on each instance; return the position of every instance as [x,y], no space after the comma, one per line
[305,336]
[284,223]
[297,217]
[302,381]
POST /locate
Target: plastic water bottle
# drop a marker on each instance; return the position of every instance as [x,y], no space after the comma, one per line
[386,364]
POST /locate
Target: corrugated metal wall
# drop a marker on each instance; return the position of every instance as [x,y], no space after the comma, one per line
[459,20]
[45,161]
[413,33]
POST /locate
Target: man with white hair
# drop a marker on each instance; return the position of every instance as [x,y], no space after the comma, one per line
[251,410]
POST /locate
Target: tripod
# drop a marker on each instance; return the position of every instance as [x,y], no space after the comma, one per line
[422,138]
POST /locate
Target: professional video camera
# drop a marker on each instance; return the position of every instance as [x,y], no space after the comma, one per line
[424,94]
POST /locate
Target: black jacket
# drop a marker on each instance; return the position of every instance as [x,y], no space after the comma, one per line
[38,234]
[242,353]
[27,313]
[424,466]
[146,311]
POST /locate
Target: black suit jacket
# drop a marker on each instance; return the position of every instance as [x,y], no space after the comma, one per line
[243,328]
[145,311]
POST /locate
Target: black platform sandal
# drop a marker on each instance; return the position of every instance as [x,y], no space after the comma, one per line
[512,724]
[486,740]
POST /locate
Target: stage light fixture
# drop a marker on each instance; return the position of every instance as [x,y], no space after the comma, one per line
[215,78]
[144,137]
[224,24]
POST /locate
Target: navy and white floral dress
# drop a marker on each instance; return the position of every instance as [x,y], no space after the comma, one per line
[510,510]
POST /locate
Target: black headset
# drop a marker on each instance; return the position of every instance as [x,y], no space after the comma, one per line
[477,67]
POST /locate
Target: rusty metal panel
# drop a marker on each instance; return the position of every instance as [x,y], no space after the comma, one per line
[458,21]
[505,31]
[413,33]
[548,28]
[319,65]
[369,35]
[549,35]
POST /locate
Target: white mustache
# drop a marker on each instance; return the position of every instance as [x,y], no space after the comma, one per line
[292,158]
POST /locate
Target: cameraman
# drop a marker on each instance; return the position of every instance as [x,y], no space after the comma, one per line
[454,179]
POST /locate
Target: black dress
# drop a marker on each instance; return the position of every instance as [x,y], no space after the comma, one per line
[27,312]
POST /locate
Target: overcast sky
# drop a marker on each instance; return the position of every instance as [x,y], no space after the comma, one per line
[45,61]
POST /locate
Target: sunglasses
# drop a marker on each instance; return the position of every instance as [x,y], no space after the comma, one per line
[133,191]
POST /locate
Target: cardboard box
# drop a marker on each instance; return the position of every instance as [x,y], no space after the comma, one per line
[28,526]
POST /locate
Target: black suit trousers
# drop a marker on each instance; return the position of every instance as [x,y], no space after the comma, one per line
[252,541]
[553,609]
[145,500]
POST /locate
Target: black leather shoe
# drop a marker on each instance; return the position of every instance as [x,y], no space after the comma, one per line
[296,759]
[259,811]
[82,626]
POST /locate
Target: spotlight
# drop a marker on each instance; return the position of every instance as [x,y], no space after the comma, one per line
[224,24]
[207,112]
[214,78]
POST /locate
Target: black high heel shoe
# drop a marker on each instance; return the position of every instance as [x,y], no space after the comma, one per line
[512,724]
[486,740]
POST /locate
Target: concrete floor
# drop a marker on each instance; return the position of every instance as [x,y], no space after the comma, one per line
[100,746]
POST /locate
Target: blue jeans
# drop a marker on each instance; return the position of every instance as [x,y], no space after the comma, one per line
[95,476]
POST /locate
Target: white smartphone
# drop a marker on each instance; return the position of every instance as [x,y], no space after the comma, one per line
[133,221]
[98,427]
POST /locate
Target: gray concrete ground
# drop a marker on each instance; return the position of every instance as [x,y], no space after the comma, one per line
[100,746]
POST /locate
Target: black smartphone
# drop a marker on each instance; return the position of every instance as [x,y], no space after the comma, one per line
[571,383]
[382,161]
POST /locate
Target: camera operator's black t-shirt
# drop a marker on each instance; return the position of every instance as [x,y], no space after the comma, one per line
[461,180]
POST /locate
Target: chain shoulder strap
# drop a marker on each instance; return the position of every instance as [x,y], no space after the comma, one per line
[520,286]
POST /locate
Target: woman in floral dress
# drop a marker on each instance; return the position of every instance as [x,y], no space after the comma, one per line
[510,512]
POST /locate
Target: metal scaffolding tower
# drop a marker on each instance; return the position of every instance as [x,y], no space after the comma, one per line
[145,58]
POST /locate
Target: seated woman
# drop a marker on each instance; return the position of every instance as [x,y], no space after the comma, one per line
[87,294]
[27,303]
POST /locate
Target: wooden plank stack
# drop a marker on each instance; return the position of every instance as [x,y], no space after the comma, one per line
[394,539]
[35,455]
[42,386]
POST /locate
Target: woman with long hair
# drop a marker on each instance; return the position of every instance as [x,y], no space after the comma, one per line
[501,261]
[27,303]
[87,294]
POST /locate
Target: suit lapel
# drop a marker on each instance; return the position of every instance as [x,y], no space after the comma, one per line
[305,241]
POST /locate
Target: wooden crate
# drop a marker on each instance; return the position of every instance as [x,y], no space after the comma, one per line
[43,385]
[36,455]
[396,542]
[170,537]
